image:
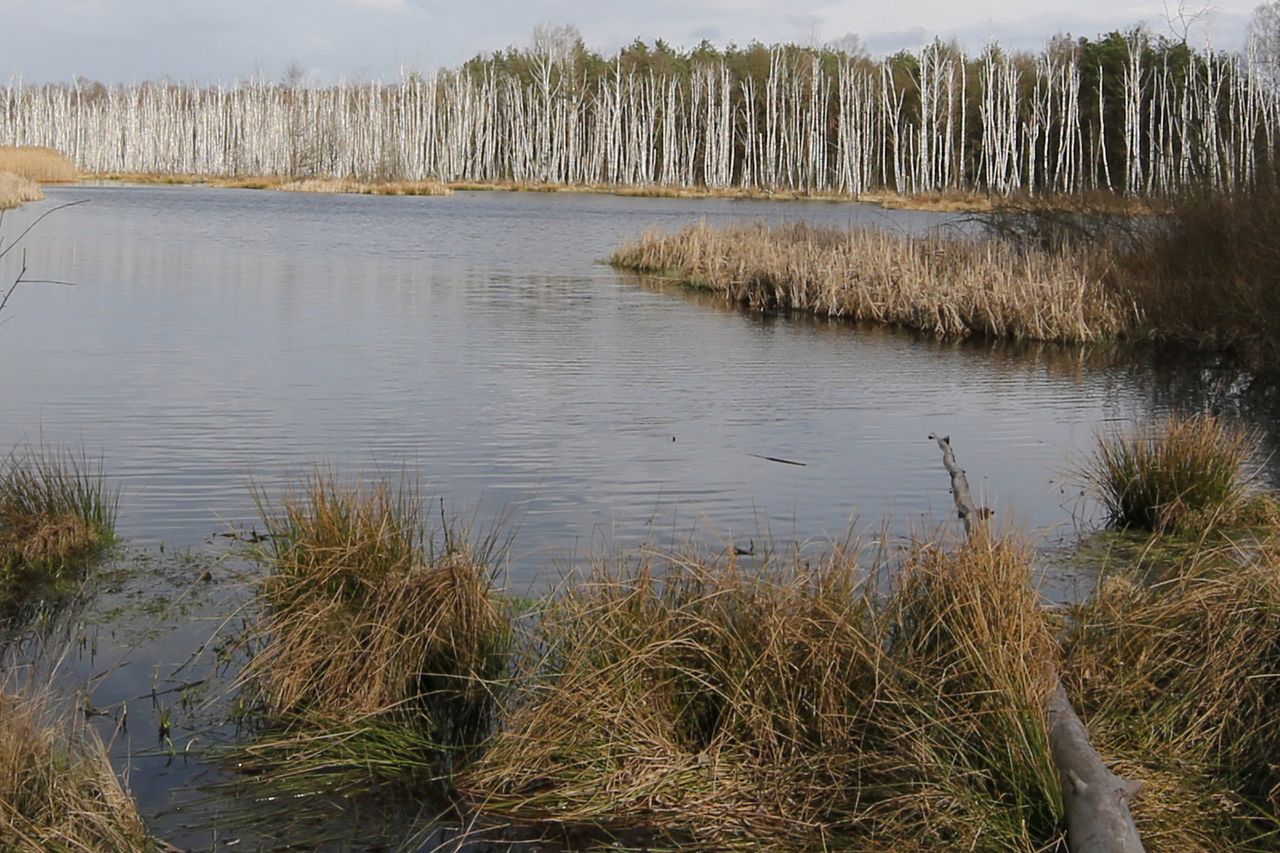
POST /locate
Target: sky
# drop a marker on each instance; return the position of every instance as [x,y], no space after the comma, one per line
[124,41]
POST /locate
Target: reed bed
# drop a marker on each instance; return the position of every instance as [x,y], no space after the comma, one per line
[946,286]
[55,513]
[1181,473]
[356,187]
[57,787]
[37,164]
[785,708]
[16,191]
[373,628]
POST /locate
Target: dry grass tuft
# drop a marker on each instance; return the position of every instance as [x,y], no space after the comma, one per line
[782,708]
[1184,473]
[58,792]
[16,191]
[951,287]
[41,165]
[368,624]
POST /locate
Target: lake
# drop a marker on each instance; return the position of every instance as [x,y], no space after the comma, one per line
[219,340]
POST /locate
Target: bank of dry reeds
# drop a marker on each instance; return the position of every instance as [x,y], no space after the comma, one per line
[55,512]
[57,787]
[945,285]
[355,187]
[371,627]
[37,164]
[783,707]
[16,191]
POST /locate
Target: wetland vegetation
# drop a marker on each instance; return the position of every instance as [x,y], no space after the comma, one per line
[790,703]
[892,694]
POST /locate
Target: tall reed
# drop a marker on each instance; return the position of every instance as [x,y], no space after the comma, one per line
[947,286]
[38,164]
[16,191]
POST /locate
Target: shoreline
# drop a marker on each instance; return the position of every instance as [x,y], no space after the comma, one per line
[956,202]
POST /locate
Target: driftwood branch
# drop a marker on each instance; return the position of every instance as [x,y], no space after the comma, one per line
[1095,800]
[970,513]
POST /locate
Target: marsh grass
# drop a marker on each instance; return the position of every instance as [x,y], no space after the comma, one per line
[1179,679]
[948,286]
[350,186]
[374,629]
[57,787]
[16,191]
[1184,473]
[40,165]
[56,512]
[787,706]
[1206,273]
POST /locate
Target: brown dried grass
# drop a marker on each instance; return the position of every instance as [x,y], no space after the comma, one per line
[783,708]
[1182,473]
[57,788]
[16,191]
[366,619]
[355,187]
[946,286]
[1178,678]
[41,165]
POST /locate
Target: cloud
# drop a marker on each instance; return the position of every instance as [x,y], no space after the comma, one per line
[381,5]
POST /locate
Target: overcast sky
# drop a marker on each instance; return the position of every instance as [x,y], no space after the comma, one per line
[210,40]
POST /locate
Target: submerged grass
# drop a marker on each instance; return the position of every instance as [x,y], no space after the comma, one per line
[55,512]
[1184,473]
[57,788]
[373,625]
[786,708]
[947,286]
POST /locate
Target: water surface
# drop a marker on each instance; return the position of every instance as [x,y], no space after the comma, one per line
[216,339]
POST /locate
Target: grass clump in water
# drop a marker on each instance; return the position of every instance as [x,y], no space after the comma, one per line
[786,707]
[55,513]
[58,792]
[1182,474]
[374,632]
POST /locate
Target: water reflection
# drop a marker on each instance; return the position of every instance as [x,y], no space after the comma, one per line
[219,338]
[222,337]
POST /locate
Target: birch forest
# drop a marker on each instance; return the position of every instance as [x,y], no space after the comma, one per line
[1126,112]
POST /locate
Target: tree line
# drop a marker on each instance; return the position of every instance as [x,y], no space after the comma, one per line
[1127,111]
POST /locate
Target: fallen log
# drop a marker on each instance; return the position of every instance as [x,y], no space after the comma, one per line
[1095,801]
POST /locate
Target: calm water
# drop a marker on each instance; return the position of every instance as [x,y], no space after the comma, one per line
[218,338]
